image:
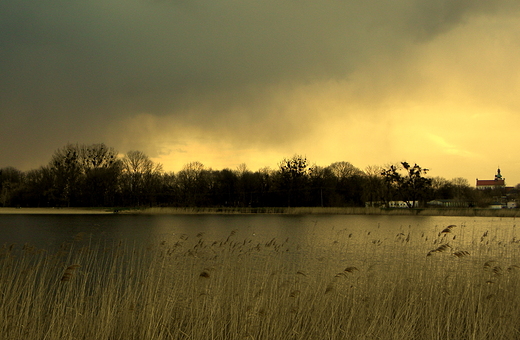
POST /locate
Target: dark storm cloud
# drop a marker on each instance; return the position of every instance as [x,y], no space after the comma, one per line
[68,69]
[426,19]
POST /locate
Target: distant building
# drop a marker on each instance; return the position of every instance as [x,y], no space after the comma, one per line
[450,203]
[402,204]
[498,182]
[391,204]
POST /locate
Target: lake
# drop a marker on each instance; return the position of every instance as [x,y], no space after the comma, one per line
[217,276]
[318,232]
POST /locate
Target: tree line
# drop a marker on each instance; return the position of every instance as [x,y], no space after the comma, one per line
[80,175]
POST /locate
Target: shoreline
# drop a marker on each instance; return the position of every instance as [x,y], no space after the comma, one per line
[267,210]
[55,211]
[332,211]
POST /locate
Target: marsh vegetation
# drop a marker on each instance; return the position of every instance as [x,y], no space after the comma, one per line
[96,175]
[451,282]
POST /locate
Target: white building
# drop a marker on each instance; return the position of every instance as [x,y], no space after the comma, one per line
[391,204]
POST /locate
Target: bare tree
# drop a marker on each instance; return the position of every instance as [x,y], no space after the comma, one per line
[411,187]
[462,190]
[293,174]
[137,162]
[344,170]
[84,174]
[10,180]
[193,183]
[242,169]
[66,167]
[374,189]
[141,175]
[373,170]
[101,169]
[97,156]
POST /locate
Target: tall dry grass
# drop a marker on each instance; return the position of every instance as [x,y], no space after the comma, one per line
[328,210]
[447,284]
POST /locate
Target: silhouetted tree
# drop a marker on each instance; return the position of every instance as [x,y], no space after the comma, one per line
[169,190]
[261,186]
[374,189]
[294,173]
[141,177]
[66,167]
[442,188]
[323,187]
[223,187]
[97,156]
[411,187]
[10,182]
[84,175]
[101,170]
[80,174]
[38,188]
[462,190]
[193,184]
[344,170]
[349,183]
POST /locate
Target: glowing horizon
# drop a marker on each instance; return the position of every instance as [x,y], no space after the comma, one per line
[432,83]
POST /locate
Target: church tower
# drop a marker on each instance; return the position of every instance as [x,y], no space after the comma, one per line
[498,182]
[498,176]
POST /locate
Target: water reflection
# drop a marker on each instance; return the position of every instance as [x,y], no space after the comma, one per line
[331,240]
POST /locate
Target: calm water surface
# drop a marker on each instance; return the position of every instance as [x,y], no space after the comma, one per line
[49,231]
[319,244]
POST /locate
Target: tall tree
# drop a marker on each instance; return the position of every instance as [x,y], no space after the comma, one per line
[349,183]
[84,174]
[97,156]
[323,183]
[411,187]
[38,186]
[442,188]
[193,183]
[141,176]
[10,181]
[223,186]
[344,170]
[463,191]
[101,170]
[374,186]
[294,173]
[66,167]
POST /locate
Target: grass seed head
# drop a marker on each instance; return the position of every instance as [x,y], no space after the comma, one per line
[294,293]
[67,275]
[329,289]
[512,267]
[439,249]
[461,253]
[488,264]
[351,269]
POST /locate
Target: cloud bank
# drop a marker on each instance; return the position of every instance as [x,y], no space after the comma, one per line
[226,82]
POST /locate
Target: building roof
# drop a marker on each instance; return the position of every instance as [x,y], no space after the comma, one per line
[490,182]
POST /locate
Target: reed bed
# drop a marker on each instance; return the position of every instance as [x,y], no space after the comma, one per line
[447,284]
[327,210]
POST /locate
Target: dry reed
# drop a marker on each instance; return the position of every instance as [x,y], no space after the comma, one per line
[329,210]
[361,287]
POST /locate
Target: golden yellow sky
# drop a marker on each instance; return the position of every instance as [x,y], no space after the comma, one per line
[224,83]
[450,106]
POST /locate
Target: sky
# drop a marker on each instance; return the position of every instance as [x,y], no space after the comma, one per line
[226,82]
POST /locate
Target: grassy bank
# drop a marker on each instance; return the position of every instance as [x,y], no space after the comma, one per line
[333,210]
[271,210]
[431,286]
[56,211]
